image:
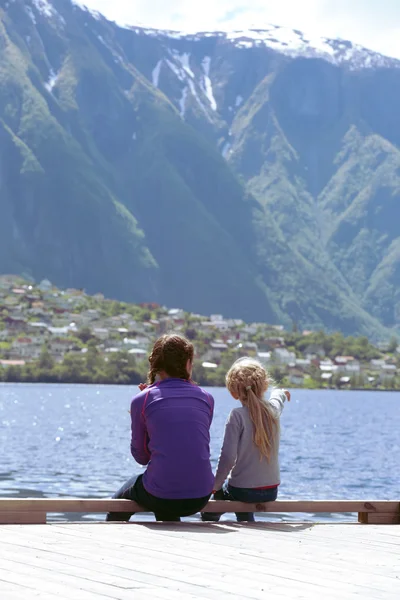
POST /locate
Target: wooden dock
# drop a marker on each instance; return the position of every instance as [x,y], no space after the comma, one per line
[195,560]
[188,560]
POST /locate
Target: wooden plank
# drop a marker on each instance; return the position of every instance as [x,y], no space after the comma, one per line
[223,552]
[20,517]
[214,563]
[383,518]
[96,505]
[149,562]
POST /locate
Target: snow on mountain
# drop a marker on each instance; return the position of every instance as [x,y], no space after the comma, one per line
[291,42]
[284,40]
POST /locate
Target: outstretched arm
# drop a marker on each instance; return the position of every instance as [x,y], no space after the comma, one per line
[278,399]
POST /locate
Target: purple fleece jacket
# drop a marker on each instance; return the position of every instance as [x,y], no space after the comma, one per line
[171,435]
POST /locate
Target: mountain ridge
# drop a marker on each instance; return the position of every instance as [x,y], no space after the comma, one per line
[245,153]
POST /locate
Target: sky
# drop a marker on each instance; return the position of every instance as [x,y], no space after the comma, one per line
[374,24]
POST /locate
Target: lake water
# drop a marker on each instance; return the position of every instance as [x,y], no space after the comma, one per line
[60,440]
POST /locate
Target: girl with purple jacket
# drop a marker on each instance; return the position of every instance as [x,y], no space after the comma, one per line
[170,421]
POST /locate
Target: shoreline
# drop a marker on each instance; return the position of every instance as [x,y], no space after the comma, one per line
[205,385]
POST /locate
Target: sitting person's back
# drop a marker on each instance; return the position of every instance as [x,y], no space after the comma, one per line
[249,455]
[241,458]
[170,423]
[170,432]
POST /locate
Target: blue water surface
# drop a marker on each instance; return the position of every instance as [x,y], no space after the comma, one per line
[73,440]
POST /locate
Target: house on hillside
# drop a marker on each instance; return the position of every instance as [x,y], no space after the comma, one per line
[38,329]
[314,351]
[215,352]
[271,343]
[387,374]
[4,335]
[264,358]
[15,324]
[12,363]
[9,281]
[303,363]
[283,356]
[90,315]
[248,349]
[347,364]
[45,286]
[327,367]
[26,348]
[296,377]
[102,333]
[377,363]
[60,331]
[59,347]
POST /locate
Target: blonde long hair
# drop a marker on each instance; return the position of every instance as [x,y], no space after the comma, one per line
[247,381]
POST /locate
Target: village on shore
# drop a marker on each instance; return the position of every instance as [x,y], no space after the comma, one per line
[68,336]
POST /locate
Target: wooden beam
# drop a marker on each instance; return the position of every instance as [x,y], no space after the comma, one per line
[96,505]
[22,518]
[383,519]
[363,517]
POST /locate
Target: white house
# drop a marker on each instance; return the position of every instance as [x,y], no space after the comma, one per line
[209,365]
[215,351]
[283,356]
[353,366]
[264,357]
[377,363]
[138,352]
[387,373]
[101,332]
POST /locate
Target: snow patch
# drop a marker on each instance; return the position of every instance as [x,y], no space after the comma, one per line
[117,57]
[176,70]
[156,73]
[244,44]
[51,82]
[182,101]
[207,85]
[134,136]
[30,14]
[44,7]
[196,96]
[239,101]
[94,13]
[226,150]
[184,59]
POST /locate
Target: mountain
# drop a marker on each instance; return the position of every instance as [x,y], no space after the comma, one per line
[251,173]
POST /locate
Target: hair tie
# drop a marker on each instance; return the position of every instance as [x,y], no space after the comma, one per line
[248,388]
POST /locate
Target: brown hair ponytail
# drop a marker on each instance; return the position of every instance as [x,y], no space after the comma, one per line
[170,354]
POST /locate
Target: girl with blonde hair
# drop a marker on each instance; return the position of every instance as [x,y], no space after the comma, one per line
[250,449]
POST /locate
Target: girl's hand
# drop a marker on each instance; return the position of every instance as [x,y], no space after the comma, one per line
[142,386]
[288,395]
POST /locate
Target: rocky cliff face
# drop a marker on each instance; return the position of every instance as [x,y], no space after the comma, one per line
[253,173]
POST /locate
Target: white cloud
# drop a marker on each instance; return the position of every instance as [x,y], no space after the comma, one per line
[372,23]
